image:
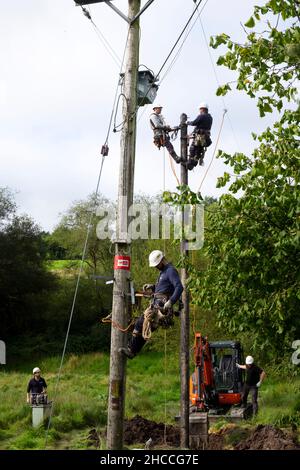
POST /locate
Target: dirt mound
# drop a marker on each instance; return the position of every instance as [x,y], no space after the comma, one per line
[139,430]
[268,438]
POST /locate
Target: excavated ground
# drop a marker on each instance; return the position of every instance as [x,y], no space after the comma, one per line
[139,430]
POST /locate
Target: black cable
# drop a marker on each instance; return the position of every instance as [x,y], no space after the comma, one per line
[116,94]
[117,126]
[179,37]
[168,56]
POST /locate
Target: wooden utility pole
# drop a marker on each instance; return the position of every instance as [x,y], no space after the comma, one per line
[122,245]
[185,314]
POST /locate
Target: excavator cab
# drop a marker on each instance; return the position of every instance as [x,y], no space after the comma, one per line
[228,379]
[216,384]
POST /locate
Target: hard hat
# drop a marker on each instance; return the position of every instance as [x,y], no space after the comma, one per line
[157,105]
[36,369]
[203,105]
[249,360]
[155,258]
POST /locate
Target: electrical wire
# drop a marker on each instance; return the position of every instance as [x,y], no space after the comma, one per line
[214,152]
[83,256]
[178,39]
[117,88]
[167,58]
[217,79]
[183,42]
[104,41]
[89,227]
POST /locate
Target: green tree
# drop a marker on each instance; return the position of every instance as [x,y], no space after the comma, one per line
[24,282]
[70,235]
[252,243]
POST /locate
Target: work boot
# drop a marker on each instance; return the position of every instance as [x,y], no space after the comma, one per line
[191,163]
[126,352]
[175,157]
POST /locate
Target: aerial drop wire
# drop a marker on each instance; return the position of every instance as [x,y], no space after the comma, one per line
[74,301]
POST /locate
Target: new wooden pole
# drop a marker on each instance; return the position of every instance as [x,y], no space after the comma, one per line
[185,314]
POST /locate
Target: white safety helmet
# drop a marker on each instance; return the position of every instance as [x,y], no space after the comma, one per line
[249,360]
[155,258]
[203,105]
[36,369]
[157,105]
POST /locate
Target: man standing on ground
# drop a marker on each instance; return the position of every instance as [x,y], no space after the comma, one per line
[37,388]
[254,378]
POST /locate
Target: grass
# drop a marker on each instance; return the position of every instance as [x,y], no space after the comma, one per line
[63,267]
[81,402]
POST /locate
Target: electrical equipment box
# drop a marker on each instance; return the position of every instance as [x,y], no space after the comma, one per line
[146,88]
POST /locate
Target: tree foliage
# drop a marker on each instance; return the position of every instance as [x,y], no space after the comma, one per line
[268,62]
[24,282]
[70,235]
[252,244]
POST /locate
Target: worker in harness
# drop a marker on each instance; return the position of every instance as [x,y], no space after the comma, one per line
[165,293]
[161,131]
[200,136]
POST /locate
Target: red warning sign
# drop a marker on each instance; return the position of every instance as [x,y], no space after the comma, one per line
[122,262]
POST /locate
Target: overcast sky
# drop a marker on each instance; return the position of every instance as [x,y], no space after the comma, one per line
[57,85]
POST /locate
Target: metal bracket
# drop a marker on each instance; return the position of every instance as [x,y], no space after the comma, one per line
[119,12]
[141,11]
[116,9]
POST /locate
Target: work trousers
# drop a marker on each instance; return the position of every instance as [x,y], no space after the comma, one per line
[254,392]
[163,140]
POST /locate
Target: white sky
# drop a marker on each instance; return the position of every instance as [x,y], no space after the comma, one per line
[57,85]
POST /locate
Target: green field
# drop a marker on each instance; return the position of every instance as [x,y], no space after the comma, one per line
[81,402]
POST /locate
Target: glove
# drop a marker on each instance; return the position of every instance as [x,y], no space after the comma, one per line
[238,366]
[148,287]
[168,305]
[258,384]
[166,321]
[188,123]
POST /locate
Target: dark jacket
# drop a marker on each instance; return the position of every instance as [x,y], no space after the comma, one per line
[169,283]
[202,122]
[36,386]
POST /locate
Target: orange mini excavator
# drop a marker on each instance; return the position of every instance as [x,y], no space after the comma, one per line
[216,384]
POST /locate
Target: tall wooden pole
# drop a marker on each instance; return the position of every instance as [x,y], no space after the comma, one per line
[122,246]
[185,314]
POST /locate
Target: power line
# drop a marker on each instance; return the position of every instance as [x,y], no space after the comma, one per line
[101,36]
[170,53]
[116,93]
[89,227]
[216,77]
[214,152]
[179,37]
[183,42]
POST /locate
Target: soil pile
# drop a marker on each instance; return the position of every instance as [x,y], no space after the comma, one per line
[139,429]
[268,438]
